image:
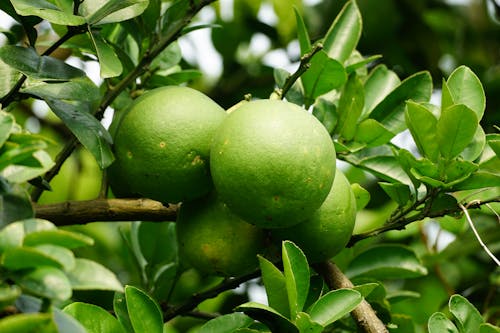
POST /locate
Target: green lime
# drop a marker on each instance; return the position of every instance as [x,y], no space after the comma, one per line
[272,162]
[162,145]
[329,229]
[215,241]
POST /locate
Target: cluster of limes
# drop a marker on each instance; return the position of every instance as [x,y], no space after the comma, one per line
[262,173]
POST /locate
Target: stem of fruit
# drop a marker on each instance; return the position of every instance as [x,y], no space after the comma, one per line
[363,314]
[174,32]
[304,65]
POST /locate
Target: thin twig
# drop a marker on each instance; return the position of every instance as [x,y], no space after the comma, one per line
[471,224]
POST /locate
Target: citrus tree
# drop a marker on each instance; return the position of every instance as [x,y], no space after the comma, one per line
[335,193]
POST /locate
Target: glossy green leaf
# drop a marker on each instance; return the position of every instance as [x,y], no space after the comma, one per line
[28,323]
[455,130]
[109,62]
[446,97]
[27,257]
[488,328]
[144,313]
[476,147]
[20,173]
[398,192]
[28,62]
[307,325]
[372,133]
[302,34]
[380,82]
[275,285]
[268,316]
[362,196]
[90,275]
[64,238]
[350,107]
[366,289]
[385,167]
[8,78]
[494,142]
[62,255]
[466,88]
[6,126]
[110,11]
[94,318]
[8,294]
[325,112]
[478,180]
[390,112]
[226,324]
[121,311]
[344,33]
[334,305]
[45,281]
[438,323]
[423,126]
[467,316]
[48,11]
[297,275]
[324,75]
[388,261]
[87,129]
[15,203]
[82,89]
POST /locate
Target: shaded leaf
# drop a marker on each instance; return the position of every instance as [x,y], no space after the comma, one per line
[297,275]
[423,126]
[476,147]
[334,305]
[302,34]
[82,89]
[62,255]
[26,257]
[488,328]
[468,317]
[350,107]
[400,193]
[121,311]
[16,173]
[28,62]
[6,126]
[90,275]
[268,316]
[466,88]
[344,33]
[226,324]
[372,133]
[478,180]
[15,203]
[94,318]
[8,294]
[307,325]
[325,112]
[455,129]
[28,322]
[48,11]
[438,323]
[387,262]
[64,238]
[275,285]
[362,196]
[144,313]
[110,11]
[45,281]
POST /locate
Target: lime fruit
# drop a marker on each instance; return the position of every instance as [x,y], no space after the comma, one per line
[272,162]
[215,241]
[162,145]
[329,229]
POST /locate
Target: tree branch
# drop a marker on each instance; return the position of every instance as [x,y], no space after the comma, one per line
[81,212]
[363,314]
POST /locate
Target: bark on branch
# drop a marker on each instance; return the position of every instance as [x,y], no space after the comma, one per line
[363,314]
[81,212]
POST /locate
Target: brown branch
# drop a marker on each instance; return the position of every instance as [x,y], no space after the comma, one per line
[81,212]
[363,314]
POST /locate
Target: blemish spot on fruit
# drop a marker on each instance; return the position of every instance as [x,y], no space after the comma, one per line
[276,198]
[269,218]
[197,160]
[308,180]
[162,144]
[129,154]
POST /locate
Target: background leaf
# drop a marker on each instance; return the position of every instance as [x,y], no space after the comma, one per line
[32,322]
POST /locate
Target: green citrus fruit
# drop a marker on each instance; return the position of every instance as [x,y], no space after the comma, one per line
[162,145]
[329,229]
[272,162]
[215,241]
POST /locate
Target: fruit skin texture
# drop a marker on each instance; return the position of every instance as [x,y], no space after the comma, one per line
[162,145]
[329,229]
[215,241]
[272,162]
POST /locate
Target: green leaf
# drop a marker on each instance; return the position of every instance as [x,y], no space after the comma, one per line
[388,261]
[275,285]
[466,88]
[157,242]
[15,203]
[45,281]
[110,11]
[88,130]
[390,112]
[350,106]
[297,275]
[64,238]
[385,167]
[109,62]
[226,324]
[324,75]
[268,316]
[494,142]
[325,111]
[402,295]
[8,78]
[476,147]
[94,318]
[8,294]
[372,133]
[26,257]
[6,126]
[90,275]
[285,24]
[423,126]
[168,58]
[438,323]
[28,62]
[488,328]
[398,192]
[302,34]
[455,130]
[478,180]
[344,33]
[62,255]
[17,174]
[334,305]
[378,85]
[82,89]
[48,11]
[365,289]
[11,236]
[362,196]
[307,325]
[28,322]
[468,317]
[144,313]
[121,311]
